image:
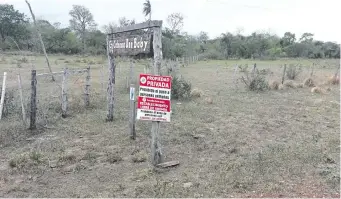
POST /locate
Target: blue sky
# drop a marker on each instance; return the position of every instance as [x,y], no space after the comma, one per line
[212,16]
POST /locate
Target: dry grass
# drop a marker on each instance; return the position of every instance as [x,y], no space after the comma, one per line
[196,93]
[334,80]
[274,85]
[318,90]
[300,85]
[309,82]
[290,84]
[243,144]
[209,100]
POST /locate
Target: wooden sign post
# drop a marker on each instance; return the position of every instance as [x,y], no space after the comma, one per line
[126,41]
[132,41]
[157,156]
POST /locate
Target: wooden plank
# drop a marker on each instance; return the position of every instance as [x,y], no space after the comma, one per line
[64,93]
[3,94]
[284,69]
[126,44]
[144,25]
[111,82]
[168,164]
[157,156]
[33,100]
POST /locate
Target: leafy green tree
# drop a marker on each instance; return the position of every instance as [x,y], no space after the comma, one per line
[81,22]
[12,23]
[147,9]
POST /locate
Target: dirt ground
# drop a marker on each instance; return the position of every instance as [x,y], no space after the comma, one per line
[277,143]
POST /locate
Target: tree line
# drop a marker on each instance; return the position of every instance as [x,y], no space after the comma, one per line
[83,36]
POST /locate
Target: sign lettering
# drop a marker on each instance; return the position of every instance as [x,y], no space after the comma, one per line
[130,45]
[154,98]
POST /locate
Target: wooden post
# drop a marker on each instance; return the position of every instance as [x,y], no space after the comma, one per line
[3,94]
[33,100]
[337,72]
[234,74]
[87,88]
[41,40]
[111,82]
[132,120]
[312,70]
[64,93]
[22,100]
[284,69]
[131,72]
[102,77]
[157,156]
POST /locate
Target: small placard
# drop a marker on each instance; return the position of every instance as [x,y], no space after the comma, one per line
[132,93]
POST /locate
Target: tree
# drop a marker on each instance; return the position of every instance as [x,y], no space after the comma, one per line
[176,22]
[288,39]
[81,22]
[123,21]
[12,22]
[147,9]
[110,28]
[307,37]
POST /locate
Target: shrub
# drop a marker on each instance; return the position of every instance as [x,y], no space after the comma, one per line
[10,105]
[255,81]
[290,84]
[242,68]
[293,71]
[181,89]
[274,85]
[196,93]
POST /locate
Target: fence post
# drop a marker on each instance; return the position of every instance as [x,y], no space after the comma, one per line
[284,69]
[21,100]
[131,74]
[102,77]
[312,70]
[64,93]
[3,94]
[157,156]
[33,100]
[110,89]
[132,116]
[87,87]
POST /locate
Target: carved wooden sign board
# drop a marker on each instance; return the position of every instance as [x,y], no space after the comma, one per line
[130,43]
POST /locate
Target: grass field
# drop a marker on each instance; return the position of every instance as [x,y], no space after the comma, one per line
[231,142]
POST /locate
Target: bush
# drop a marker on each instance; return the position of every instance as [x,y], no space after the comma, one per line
[255,81]
[309,82]
[181,89]
[212,55]
[293,71]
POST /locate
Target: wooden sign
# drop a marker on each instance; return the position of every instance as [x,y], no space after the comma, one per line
[130,44]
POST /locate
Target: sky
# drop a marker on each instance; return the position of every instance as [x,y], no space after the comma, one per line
[212,16]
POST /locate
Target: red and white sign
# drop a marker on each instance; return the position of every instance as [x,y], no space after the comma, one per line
[154,98]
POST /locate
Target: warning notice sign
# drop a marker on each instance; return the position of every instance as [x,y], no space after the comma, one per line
[154,98]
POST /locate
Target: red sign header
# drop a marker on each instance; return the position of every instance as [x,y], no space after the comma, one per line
[156,81]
